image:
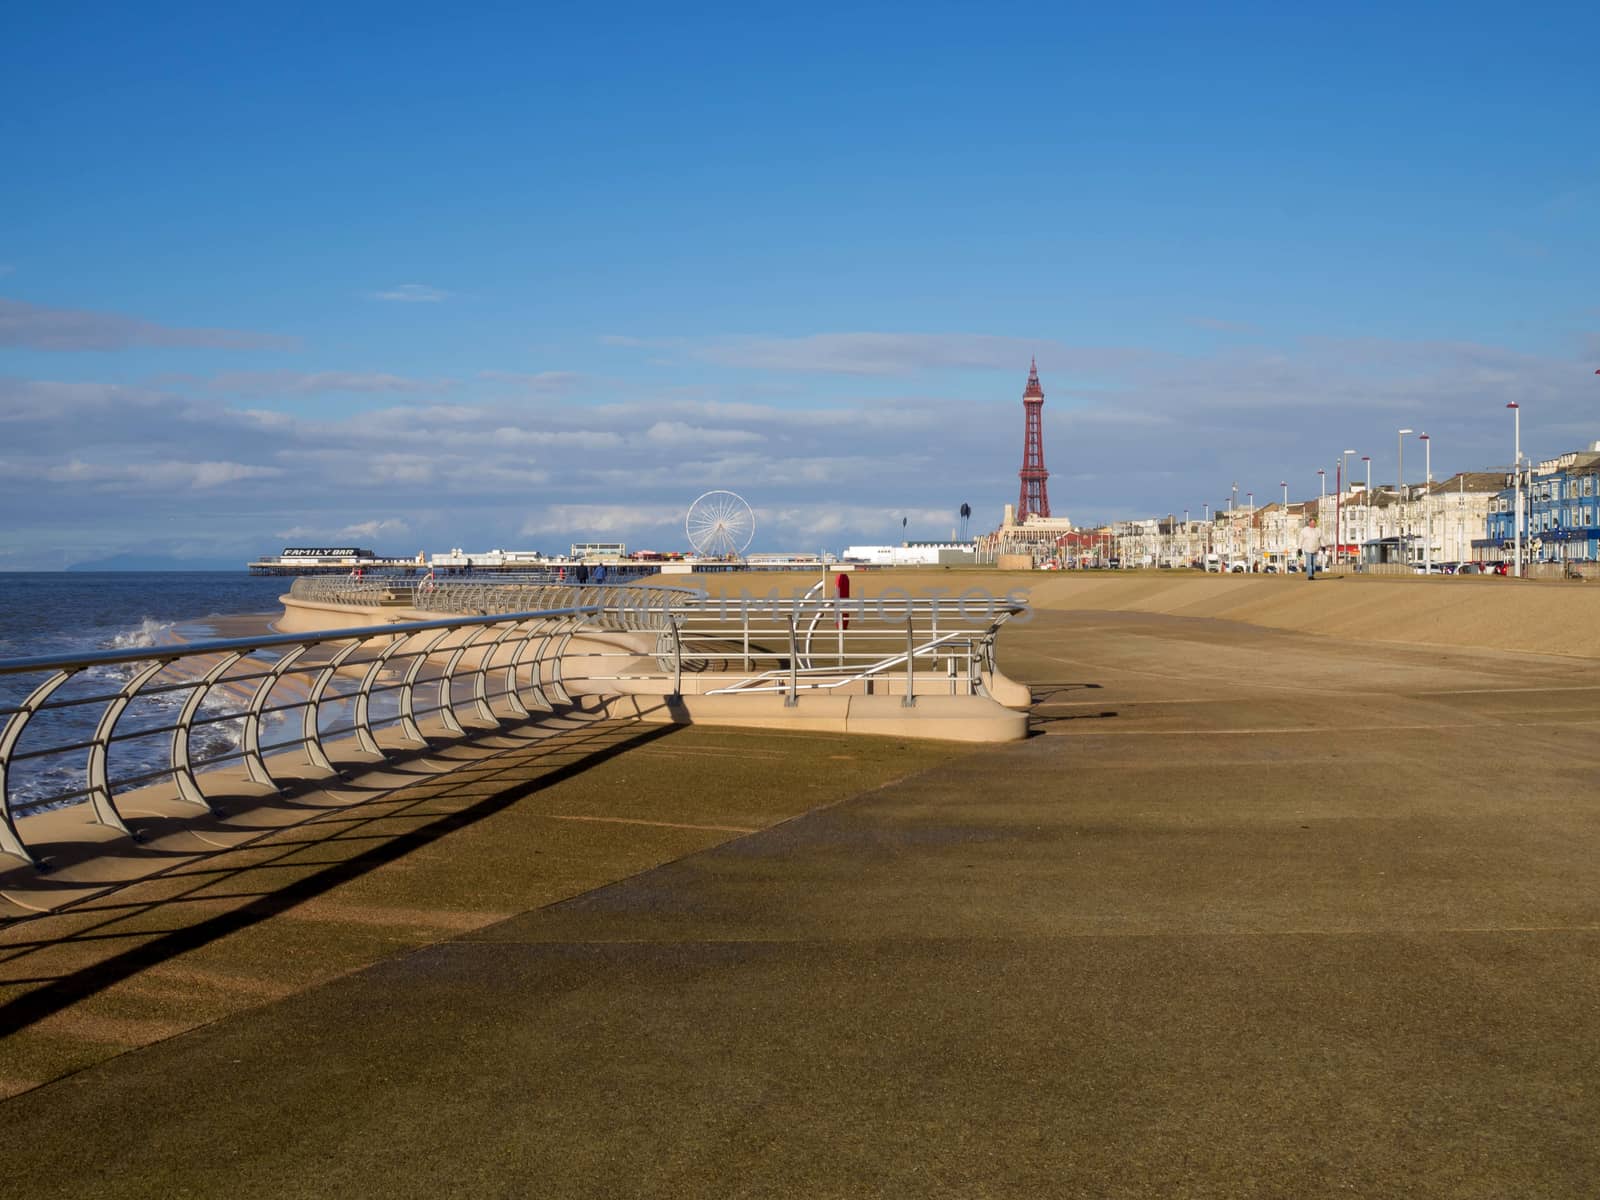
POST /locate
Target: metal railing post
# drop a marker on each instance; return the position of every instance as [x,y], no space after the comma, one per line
[910,698]
[254,761]
[677,661]
[794,668]
[10,840]
[188,785]
[99,777]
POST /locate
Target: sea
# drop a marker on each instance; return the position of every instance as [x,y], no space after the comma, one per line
[61,613]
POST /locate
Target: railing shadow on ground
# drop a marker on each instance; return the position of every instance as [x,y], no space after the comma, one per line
[1048,693]
[561,757]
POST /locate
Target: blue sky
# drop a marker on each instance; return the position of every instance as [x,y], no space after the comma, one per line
[511,276]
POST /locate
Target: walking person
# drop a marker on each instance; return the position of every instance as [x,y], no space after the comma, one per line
[1310,546]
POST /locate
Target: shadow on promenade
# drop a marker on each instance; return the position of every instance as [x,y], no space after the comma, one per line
[347,842]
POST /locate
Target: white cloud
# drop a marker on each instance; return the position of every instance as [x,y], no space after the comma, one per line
[34,327]
[540,384]
[411,293]
[375,531]
[832,521]
[574,439]
[293,383]
[603,519]
[169,474]
[677,433]
[848,353]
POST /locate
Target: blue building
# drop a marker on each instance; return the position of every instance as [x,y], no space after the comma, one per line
[1561,509]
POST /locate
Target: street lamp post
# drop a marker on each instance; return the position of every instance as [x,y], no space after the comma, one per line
[1427,502]
[1516,485]
[1283,523]
[1338,521]
[1250,531]
[1366,504]
[1400,498]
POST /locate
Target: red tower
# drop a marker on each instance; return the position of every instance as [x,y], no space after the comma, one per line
[1033,498]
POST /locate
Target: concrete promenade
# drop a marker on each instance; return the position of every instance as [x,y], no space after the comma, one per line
[1256,913]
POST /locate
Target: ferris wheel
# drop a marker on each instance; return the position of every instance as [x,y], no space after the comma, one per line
[720,525]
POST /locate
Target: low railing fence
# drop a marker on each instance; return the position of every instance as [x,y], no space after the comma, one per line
[175,712]
[821,644]
[624,606]
[82,729]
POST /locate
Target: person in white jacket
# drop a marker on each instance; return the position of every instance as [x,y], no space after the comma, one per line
[1310,546]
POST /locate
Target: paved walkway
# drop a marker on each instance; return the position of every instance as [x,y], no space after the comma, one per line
[1257,914]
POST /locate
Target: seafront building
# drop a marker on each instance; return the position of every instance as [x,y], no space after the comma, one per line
[1467,517]
[1035,536]
[1561,506]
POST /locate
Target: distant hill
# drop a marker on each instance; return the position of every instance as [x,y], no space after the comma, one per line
[158,562]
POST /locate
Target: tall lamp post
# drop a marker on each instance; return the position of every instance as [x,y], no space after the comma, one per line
[1338,521]
[1250,531]
[1366,504]
[1516,484]
[1283,524]
[1427,502]
[1400,498]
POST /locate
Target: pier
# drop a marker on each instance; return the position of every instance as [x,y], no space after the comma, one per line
[1254,911]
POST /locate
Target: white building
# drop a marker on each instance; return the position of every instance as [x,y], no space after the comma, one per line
[457,557]
[913,554]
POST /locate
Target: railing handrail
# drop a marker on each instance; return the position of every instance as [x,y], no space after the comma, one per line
[537,640]
[175,650]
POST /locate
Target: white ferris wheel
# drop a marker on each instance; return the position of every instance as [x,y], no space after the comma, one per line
[720,525]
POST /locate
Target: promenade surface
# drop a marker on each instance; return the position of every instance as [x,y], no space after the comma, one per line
[1256,913]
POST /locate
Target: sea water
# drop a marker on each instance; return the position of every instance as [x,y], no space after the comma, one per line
[64,613]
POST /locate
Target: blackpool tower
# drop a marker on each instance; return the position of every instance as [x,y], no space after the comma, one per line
[1034,498]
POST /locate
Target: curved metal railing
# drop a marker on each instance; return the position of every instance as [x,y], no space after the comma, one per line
[813,643]
[248,701]
[345,683]
[625,606]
